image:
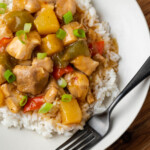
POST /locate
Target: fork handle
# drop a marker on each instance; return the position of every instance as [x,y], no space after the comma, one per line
[143,73]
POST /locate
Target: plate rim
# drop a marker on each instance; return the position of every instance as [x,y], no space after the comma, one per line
[142,100]
[148,80]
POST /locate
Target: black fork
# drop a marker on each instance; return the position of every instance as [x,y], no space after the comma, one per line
[98,126]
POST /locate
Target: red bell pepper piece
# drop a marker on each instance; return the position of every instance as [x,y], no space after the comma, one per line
[59,72]
[99,46]
[96,47]
[3,43]
[34,103]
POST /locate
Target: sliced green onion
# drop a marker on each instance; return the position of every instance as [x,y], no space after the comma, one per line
[23,101]
[68,17]
[21,33]
[45,108]
[27,27]
[9,76]
[79,33]
[61,34]
[41,55]
[62,82]
[66,98]
[3,8]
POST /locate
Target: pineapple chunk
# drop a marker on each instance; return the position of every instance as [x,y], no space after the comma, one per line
[70,112]
[47,22]
[70,38]
[51,44]
[1,98]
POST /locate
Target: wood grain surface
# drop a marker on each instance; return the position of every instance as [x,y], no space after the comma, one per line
[137,137]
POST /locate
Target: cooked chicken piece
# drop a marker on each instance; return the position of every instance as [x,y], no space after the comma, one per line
[78,85]
[45,63]
[70,37]
[2,98]
[25,62]
[7,89]
[51,95]
[2,70]
[13,104]
[63,6]
[45,4]
[48,1]
[31,79]
[13,97]
[93,36]
[90,97]
[53,84]
[18,5]
[53,112]
[29,5]
[5,32]
[85,64]
[11,90]
[23,51]
[99,58]
[32,5]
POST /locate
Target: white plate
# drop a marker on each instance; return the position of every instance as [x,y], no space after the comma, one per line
[129,27]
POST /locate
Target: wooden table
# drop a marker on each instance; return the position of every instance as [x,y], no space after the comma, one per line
[137,137]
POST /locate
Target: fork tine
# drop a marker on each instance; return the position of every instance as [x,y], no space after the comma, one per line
[79,140]
[76,135]
[84,142]
[92,143]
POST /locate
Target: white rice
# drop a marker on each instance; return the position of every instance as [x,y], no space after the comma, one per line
[103,89]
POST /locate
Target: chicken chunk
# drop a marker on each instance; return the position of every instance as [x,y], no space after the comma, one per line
[90,97]
[32,5]
[45,63]
[2,98]
[93,36]
[25,62]
[85,64]
[7,89]
[18,5]
[13,104]
[31,79]
[10,90]
[54,111]
[53,84]
[13,97]
[63,6]
[5,32]
[51,94]
[48,1]
[23,51]
[78,85]
[99,58]
[2,70]
[70,37]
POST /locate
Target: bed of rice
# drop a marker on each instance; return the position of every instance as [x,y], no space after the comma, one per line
[103,89]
